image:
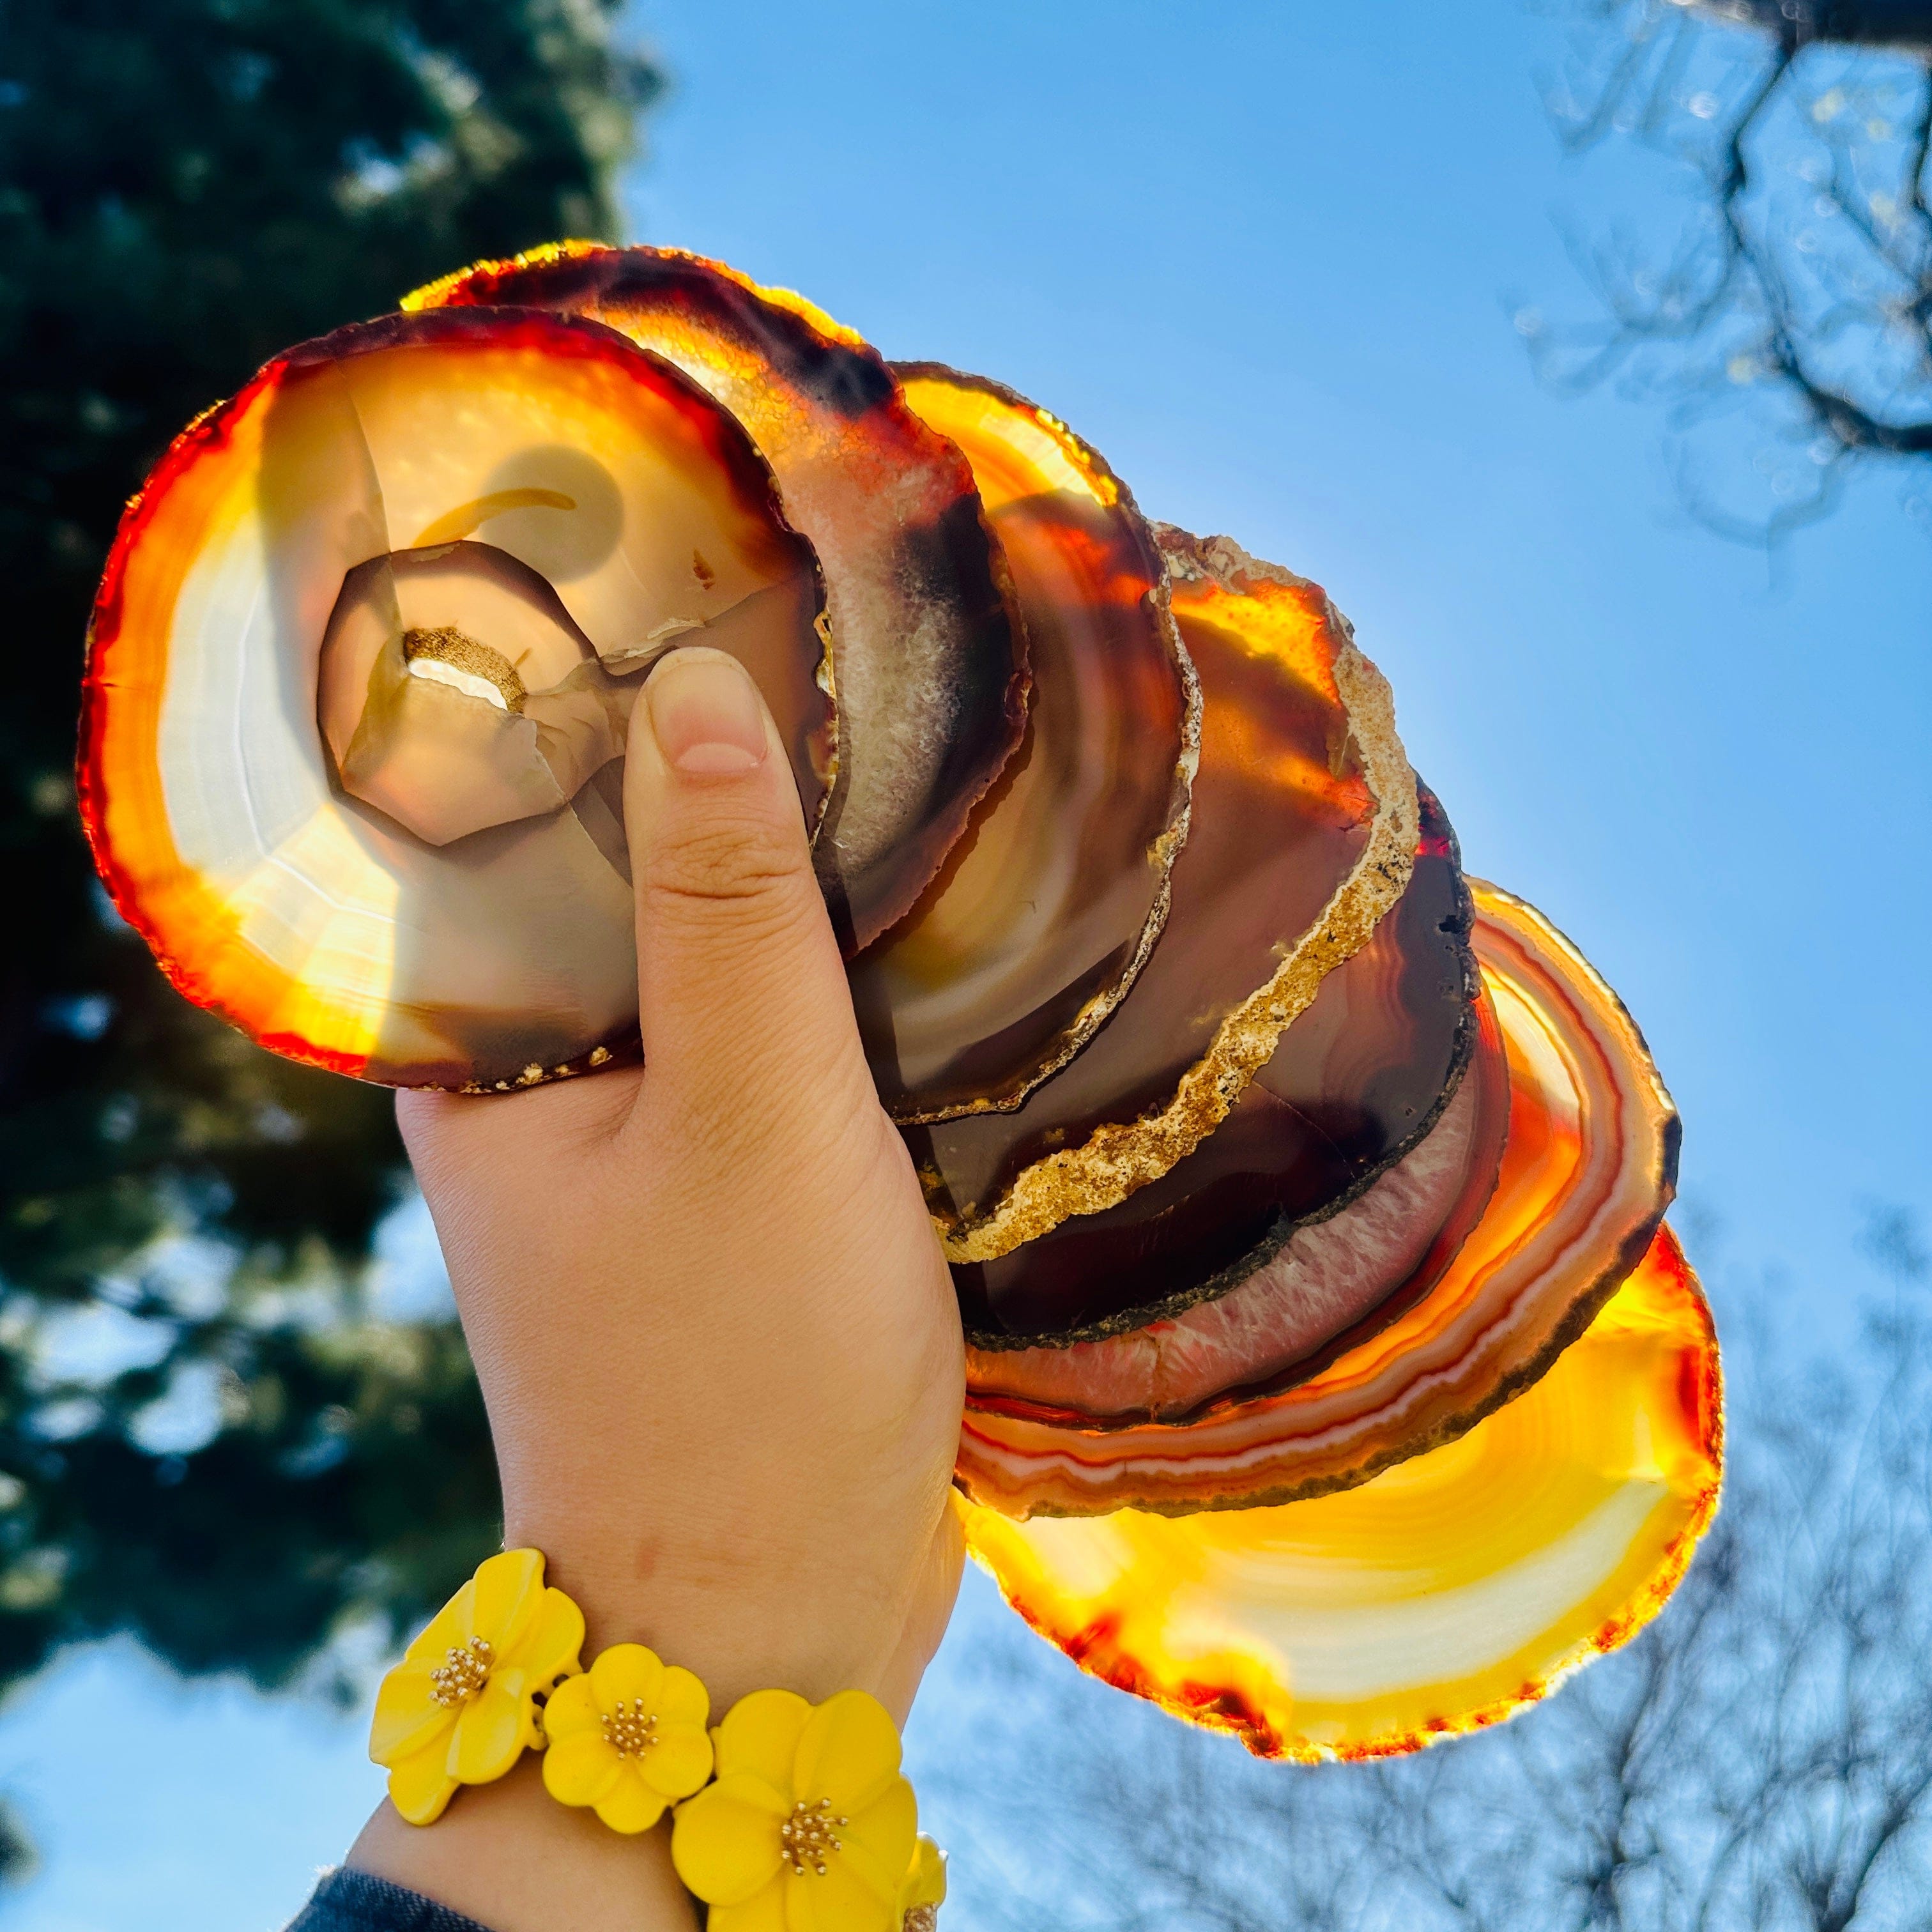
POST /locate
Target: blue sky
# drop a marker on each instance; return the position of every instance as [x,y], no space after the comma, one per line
[1264,256]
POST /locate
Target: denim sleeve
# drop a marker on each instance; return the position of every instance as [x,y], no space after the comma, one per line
[352,1901]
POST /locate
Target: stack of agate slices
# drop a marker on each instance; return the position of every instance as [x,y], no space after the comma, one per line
[1332,1378]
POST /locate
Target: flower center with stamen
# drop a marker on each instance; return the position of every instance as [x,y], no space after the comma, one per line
[630,1730]
[464,1671]
[806,1839]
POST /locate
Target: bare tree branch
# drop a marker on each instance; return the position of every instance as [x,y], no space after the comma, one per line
[1796,301]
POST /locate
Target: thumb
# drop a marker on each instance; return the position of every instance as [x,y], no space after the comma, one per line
[745,1012]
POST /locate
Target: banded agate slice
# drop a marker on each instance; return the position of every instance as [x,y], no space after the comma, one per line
[358,671]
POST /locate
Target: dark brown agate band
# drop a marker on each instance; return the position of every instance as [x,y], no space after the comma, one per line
[1357,1081]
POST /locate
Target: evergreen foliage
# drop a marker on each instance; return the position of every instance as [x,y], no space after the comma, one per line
[205,1436]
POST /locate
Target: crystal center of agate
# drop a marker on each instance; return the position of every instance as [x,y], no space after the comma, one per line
[455,693]
[446,656]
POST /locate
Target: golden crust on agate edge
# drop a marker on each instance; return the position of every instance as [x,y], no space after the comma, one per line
[1354,1087]
[1118,1157]
[1446,1594]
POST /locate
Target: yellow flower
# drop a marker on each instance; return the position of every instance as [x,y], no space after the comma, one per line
[809,1828]
[923,1891]
[458,1709]
[627,1737]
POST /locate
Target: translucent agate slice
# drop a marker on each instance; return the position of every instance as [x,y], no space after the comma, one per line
[1320,1289]
[1302,835]
[1352,1087]
[1444,1594]
[931,668]
[1588,1169]
[358,675]
[1047,908]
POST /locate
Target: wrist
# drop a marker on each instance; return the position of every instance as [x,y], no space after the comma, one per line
[760,1798]
[512,1858]
[817,1620]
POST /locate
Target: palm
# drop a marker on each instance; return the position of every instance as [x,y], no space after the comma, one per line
[712,1324]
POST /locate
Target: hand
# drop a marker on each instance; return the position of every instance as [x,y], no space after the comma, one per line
[713,1325]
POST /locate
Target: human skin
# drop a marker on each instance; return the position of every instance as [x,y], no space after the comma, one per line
[711,1320]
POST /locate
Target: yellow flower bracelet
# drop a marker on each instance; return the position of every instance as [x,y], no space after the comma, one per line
[788,1814]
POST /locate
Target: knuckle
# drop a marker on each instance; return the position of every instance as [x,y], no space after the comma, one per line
[763,1106]
[741,859]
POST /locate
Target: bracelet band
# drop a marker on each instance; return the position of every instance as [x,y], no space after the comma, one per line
[782,1793]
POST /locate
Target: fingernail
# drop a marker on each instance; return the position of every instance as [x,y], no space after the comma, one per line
[705,713]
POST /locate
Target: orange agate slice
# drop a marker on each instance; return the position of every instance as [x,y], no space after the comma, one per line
[1050,904]
[1108,1313]
[1588,1169]
[931,668]
[1302,835]
[359,673]
[1443,1595]
[1314,1288]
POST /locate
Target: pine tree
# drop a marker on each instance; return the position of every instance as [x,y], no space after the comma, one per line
[187,187]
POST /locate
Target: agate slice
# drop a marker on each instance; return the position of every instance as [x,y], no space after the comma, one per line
[1334,1279]
[1589,1168]
[1444,1594]
[359,674]
[1353,1087]
[1049,905]
[1302,835]
[930,669]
